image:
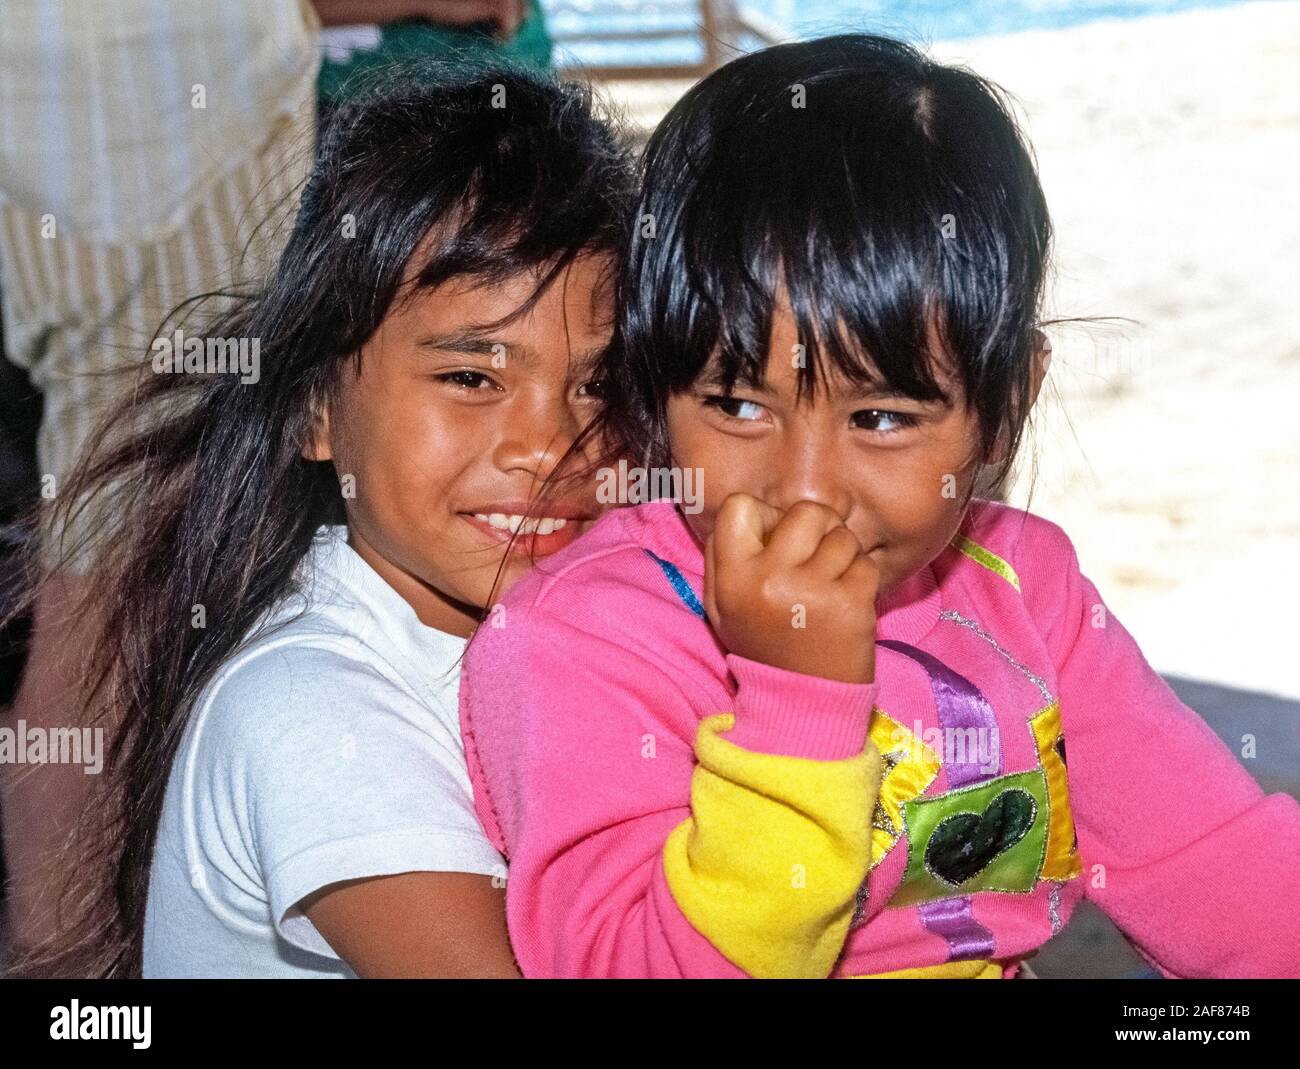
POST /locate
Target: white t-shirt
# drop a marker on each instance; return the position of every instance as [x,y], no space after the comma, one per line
[327,749]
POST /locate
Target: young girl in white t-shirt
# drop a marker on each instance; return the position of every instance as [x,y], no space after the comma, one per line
[305,547]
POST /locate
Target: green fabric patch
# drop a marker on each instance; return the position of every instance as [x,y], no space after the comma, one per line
[417,40]
[988,837]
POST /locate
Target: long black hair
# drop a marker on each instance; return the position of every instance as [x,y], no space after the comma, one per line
[506,171]
[884,192]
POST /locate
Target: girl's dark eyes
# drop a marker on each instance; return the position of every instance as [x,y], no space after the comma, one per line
[470,380]
[895,421]
[733,407]
[477,381]
[877,420]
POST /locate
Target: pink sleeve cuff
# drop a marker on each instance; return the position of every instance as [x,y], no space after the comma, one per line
[788,713]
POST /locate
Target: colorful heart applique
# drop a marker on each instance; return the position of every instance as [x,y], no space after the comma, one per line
[964,844]
[991,836]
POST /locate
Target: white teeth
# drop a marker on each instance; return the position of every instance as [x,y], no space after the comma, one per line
[542,525]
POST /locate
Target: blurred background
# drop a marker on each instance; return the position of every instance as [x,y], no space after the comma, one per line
[1168,445]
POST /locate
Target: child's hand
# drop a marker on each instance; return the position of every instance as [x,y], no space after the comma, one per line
[794,591]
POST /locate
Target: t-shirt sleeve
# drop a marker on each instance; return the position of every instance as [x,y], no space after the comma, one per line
[1181,848]
[323,770]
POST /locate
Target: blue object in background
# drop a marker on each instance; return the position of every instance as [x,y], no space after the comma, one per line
[920,21]
[937,20]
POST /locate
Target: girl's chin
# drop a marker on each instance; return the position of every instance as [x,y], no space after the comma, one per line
[496,582]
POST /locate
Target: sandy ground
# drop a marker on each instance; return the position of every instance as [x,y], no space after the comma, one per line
[1169,448]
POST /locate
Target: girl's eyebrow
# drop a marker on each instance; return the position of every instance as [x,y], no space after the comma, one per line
[476,343]
[472,342]
[589,359]
[888,393]
[713,376]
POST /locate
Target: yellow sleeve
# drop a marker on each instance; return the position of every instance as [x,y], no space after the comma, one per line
[768,865]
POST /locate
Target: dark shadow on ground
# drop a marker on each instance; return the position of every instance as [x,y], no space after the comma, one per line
[1091,946]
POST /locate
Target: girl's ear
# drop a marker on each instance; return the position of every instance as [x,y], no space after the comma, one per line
[1038,372]
[317,446]
[1042,361]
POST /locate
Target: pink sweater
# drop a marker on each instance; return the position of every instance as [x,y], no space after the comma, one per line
[921,822]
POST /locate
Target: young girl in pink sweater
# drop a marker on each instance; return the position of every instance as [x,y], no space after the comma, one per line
[824,711]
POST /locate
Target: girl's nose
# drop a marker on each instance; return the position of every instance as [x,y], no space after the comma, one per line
[823,494]
[805,469]
[535,437]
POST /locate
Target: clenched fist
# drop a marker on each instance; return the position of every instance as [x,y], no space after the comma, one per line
[761,565]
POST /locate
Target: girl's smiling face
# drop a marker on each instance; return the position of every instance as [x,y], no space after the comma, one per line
[448,426]
[897,470]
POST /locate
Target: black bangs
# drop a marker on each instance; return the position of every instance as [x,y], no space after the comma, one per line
[890,201]
[453,170]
